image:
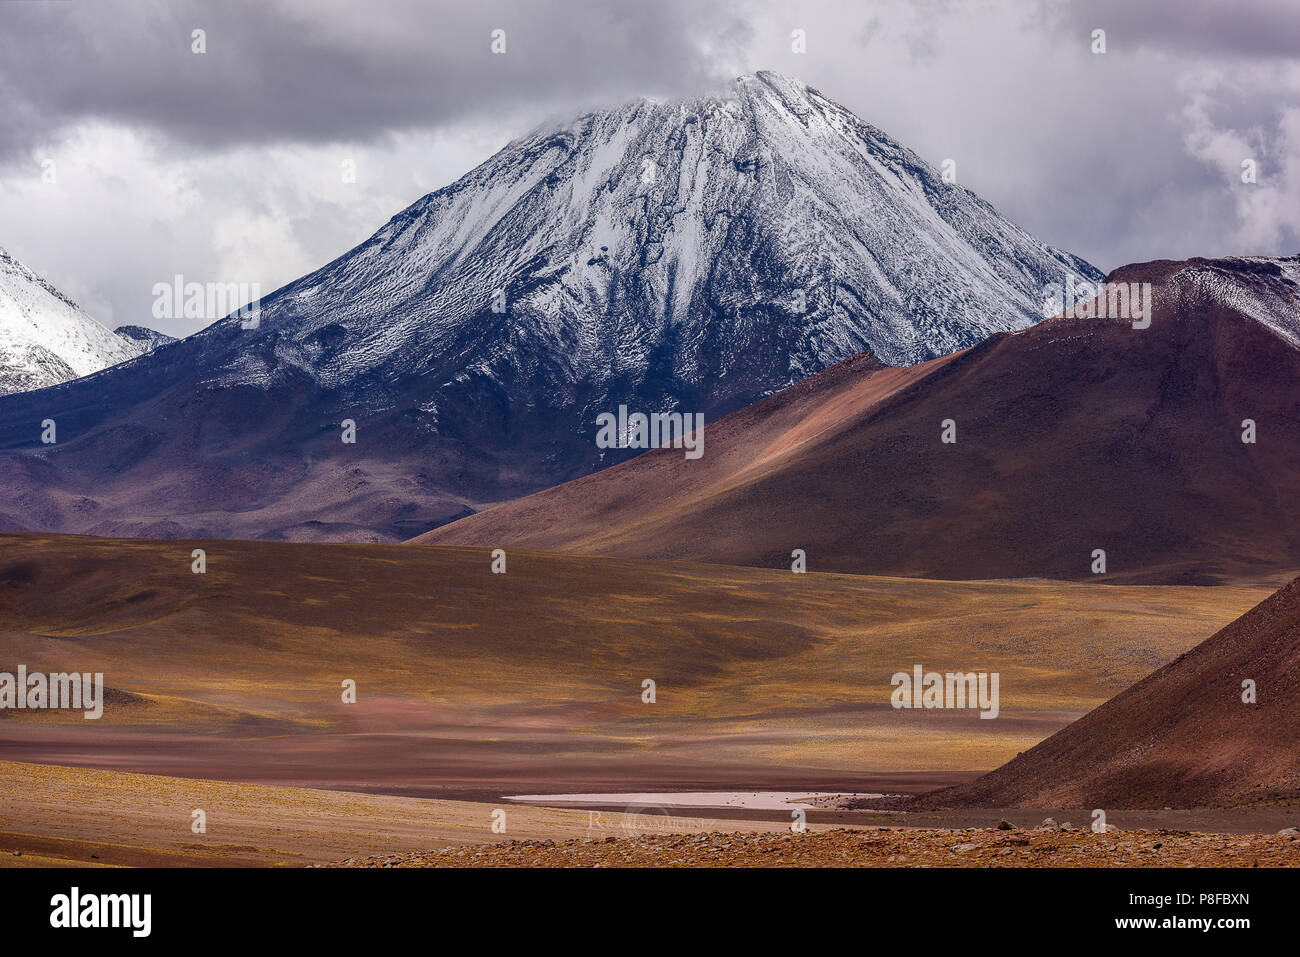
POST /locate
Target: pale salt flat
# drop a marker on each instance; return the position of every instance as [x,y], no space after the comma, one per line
[750,800]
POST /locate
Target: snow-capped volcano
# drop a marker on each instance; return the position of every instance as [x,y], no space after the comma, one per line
[692,255]
[46,338]
[705,250]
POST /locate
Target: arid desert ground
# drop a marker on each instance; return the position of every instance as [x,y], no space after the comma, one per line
[471,687]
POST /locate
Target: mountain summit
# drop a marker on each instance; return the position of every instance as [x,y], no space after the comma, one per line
[46,338]
[693,255]
[755,238]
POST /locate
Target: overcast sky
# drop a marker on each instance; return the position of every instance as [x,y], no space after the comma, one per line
[226,165]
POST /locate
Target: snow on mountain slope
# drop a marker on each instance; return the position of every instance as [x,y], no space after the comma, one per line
[45,338]
[1265,288]
[721,245]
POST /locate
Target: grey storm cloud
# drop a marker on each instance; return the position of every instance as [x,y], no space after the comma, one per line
[1259,28]
[322,71]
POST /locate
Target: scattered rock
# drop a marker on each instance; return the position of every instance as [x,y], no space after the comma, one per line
[1049,846]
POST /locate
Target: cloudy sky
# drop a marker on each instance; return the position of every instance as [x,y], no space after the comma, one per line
[127,158]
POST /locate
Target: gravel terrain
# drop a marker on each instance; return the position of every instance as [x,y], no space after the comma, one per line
[1045,846]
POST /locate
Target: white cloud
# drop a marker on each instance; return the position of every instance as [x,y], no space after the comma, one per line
[127,211]
[1251,114]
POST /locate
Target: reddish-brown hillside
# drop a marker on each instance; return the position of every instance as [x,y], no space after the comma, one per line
[1074,435]
[1183,737]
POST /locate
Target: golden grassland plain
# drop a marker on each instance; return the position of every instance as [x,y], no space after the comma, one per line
[531,681]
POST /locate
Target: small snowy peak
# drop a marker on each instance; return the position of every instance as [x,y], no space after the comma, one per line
[45,338]
[1266,289]
[143,338]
